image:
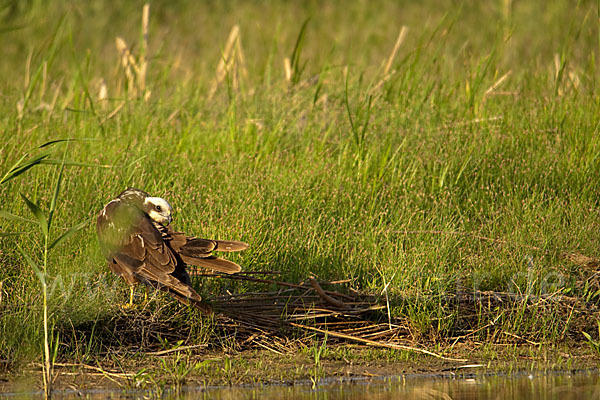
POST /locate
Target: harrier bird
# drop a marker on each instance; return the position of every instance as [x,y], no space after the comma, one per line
[140,246]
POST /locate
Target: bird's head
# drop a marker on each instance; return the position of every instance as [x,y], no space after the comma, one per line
[158,209]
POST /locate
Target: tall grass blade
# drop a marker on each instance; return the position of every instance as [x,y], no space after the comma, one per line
[13,217]
[15,165]
[56,343]
[482,70]
[12,28]
[462,169]
[33,265]
[566,52]
[8,234]
[56,189]
[295,58]
[367,119]
[47,61]
[67,234]
[42,158]
[39,214]
[67,163]
[350,119]
[84,86]
[67,140]
[21,167]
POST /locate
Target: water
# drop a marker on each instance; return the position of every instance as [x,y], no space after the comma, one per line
[555,386]
[563,386]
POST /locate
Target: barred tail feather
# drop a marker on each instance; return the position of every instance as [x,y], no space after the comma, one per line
[230,245]
[214,263]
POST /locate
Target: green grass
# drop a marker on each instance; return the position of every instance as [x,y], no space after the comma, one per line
[340,173]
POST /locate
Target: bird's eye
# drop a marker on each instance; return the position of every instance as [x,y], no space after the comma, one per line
[158,208]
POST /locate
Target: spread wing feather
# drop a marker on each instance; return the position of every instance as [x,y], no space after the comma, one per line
[195,251]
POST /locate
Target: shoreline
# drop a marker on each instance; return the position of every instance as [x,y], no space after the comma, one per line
[259,368]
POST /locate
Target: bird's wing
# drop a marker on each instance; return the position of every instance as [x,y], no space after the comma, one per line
[195,251]
[132,243]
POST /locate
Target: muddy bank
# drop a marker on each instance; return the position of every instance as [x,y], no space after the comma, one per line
[197,367]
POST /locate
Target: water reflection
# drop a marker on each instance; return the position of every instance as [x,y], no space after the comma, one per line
[563,386]
[579,386]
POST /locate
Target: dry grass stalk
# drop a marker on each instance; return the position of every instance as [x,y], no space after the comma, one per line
[287,69]
[136,70]
[144,49]
[557,72]
[44,80]
[86,366]
[28,69]
[264,346]
[27,82]
[521,338]
[375,89]
[392,56]
[387,298]
[57,88]
[102,92]
[324,295]
[377,344]
[241,59]
[113,113]
[232,62]
[556,65]
[20,108]
[574,79]
[507,7]
[177,349]
[497,84]
[172,116]
[127,62]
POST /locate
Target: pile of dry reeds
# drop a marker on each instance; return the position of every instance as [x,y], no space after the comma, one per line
[268,319]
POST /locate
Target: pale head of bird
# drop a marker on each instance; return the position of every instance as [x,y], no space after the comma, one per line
[158,209]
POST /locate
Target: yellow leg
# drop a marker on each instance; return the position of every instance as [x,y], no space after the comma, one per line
[128,306]
[131,291]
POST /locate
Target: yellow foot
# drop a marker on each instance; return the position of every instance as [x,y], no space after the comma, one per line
[129,305]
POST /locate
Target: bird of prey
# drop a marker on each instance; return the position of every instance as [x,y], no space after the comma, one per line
[140,246]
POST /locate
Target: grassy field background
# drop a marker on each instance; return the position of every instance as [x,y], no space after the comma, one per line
[472,163]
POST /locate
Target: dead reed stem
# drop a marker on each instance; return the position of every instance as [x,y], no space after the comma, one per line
[287,69]
[397,45]
[232,62]
[324,295]
[497,84]
[144,48]
[136,70]
[375,343]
